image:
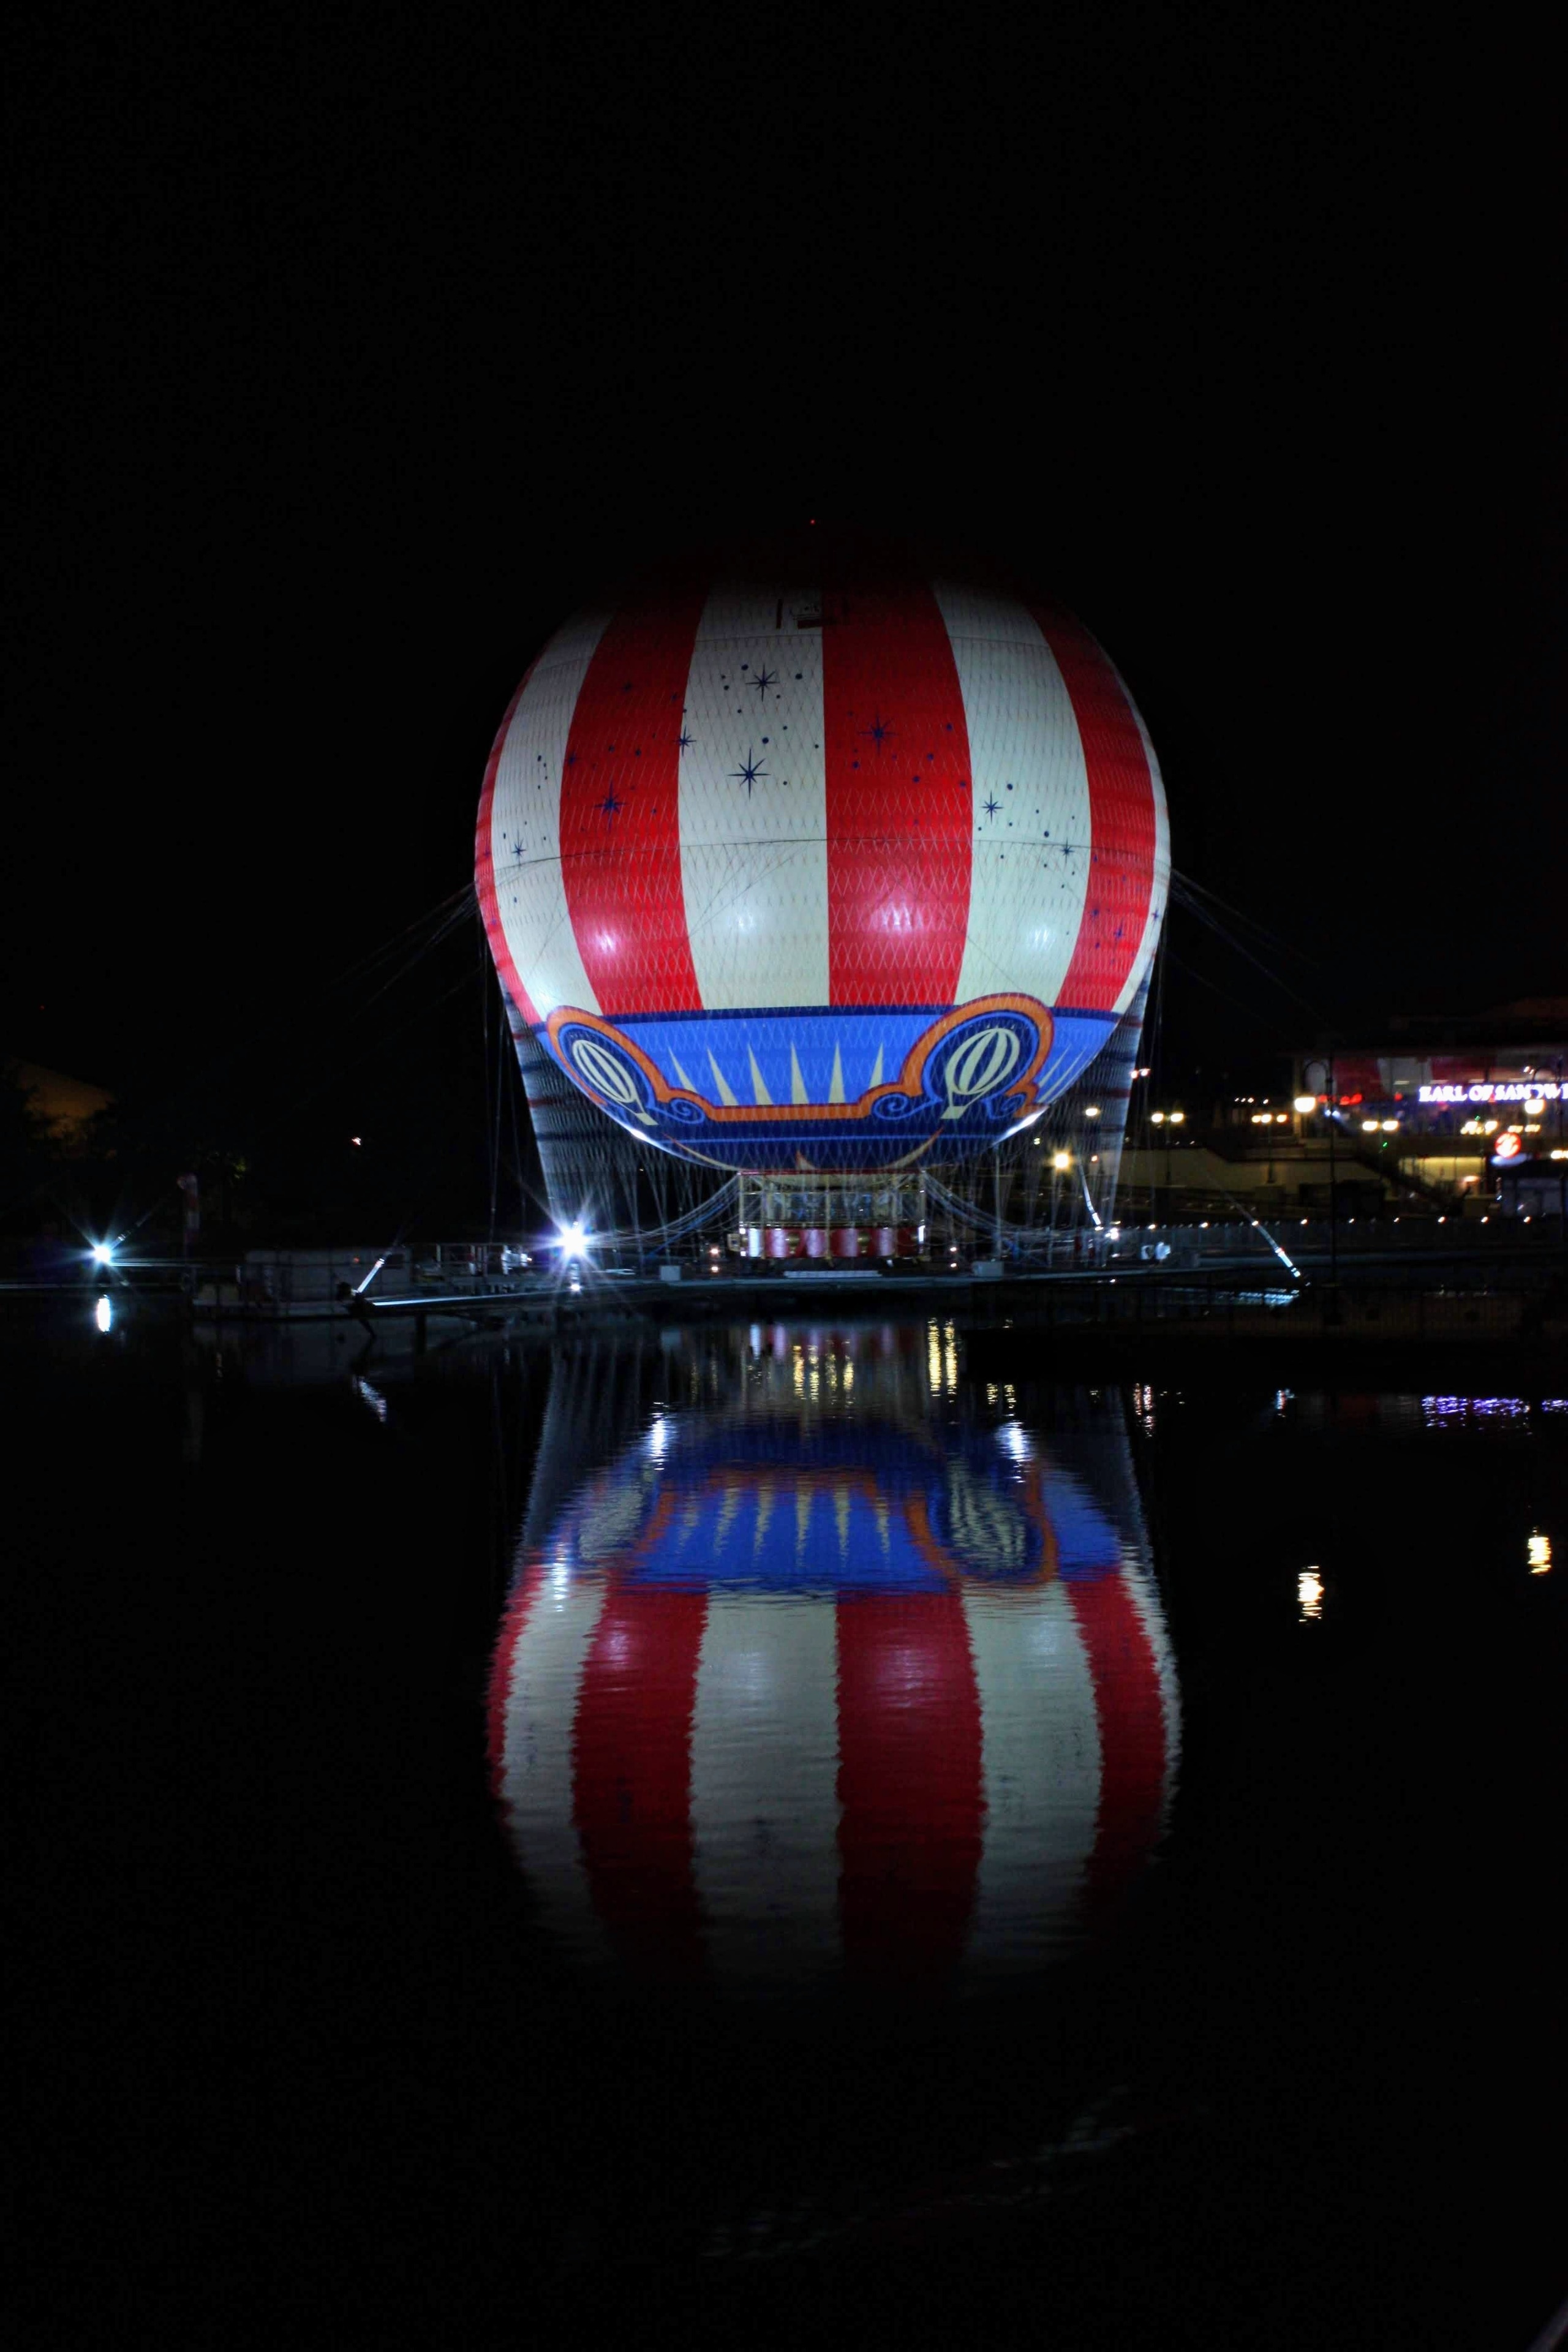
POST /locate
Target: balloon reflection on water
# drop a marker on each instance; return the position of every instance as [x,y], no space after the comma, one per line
[793,1693]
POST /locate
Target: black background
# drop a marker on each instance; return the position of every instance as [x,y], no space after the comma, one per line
[348,353]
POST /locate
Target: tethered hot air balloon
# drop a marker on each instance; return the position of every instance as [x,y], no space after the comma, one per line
[822,858]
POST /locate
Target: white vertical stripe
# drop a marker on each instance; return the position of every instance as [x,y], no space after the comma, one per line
[1041,1765]
[765,1797]
[754,858]
[525,822]
[1159,888]
[1029,876]
[1145,1596]
[537,1772]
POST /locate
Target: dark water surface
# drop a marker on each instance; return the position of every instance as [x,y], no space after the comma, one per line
[853,1826]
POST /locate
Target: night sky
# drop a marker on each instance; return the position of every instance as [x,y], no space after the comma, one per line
[347,354]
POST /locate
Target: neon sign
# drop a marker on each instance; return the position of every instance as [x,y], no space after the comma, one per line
[1487,1091]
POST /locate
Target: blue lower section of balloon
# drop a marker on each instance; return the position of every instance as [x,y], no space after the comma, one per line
[828,1086]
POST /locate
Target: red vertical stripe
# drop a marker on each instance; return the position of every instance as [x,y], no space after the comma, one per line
[1131,1729]
[900,822]
[909,1784]
[484,868]
[1121,818]
[620,809]
[518,1609]
[632,1789]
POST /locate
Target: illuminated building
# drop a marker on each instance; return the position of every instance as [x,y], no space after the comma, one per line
[1469,1110]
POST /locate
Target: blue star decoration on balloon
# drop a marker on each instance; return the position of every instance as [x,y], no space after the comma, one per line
[991,805]
[749,772]
[610,805]
[764,679]
[684,741]
[879,732]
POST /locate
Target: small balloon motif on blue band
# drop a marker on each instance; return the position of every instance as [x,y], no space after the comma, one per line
[597,1062]
[979,1065]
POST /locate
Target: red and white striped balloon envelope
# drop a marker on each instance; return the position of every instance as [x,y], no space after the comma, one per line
[786,1702]
[822,853]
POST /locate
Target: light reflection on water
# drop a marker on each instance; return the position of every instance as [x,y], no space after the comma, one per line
[828,1678]
[1261,2103]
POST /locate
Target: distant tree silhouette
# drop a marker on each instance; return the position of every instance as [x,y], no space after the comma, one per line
[27,1147]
